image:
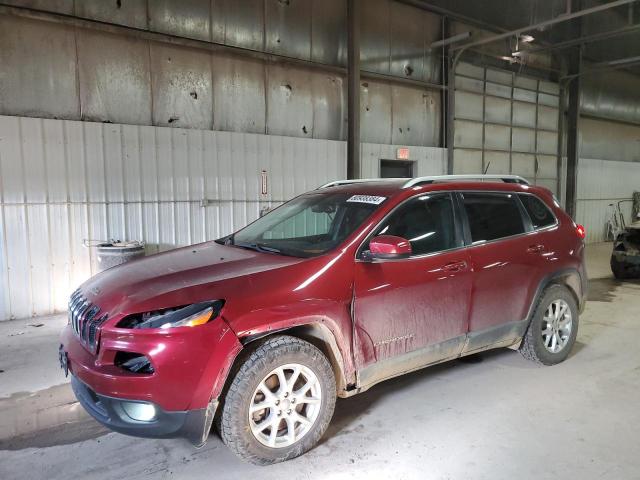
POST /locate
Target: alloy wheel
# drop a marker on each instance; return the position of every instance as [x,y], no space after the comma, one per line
[285,405]
[556,326]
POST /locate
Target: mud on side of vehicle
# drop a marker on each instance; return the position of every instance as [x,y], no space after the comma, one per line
[337,290]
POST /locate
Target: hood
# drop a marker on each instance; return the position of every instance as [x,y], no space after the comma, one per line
[177,277]
[635,225]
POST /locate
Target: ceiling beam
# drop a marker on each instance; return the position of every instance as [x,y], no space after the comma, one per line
[544,24]
[585,39]
[603,66]
[448,41]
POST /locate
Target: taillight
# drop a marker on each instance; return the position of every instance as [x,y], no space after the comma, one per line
[581,231]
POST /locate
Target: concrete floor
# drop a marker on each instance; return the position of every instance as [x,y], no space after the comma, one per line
[493,416]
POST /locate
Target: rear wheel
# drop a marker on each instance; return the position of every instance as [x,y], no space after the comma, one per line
[279,403]
[553,328]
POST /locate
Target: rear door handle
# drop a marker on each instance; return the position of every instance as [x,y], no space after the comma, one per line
[535,249]
[455,266]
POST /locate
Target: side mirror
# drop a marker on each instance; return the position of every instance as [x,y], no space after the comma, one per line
[389,246]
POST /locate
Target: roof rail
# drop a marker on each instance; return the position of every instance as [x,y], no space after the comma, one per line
[336,183]
[411,182]
[443,178]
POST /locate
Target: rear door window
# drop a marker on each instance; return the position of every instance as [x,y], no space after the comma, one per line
[539,213]
[492,216]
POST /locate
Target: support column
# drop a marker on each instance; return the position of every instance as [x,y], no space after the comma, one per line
[444,75]
[573,119]
[451,107]
[353,89]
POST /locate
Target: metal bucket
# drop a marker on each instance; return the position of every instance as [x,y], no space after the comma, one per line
[117,253]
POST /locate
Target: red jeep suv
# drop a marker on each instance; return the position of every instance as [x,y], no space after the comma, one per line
[339,289]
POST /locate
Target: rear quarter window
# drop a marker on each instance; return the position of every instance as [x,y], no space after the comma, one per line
[539,213]
[492,216]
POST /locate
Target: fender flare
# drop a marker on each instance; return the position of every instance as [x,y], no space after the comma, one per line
[321,337]
[570,278]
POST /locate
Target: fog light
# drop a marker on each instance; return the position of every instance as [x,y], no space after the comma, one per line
[142,412]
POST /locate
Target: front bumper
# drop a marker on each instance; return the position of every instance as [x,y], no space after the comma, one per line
[190,367]
[630,258]
[194,425]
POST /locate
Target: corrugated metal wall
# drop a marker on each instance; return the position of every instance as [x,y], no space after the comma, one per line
[65,181]
[609,165]
[601,183]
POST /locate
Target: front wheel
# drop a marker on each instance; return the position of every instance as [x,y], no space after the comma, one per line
[553,328]
[279,403]
[618,269]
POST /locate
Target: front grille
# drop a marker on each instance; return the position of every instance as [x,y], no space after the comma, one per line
[85,320]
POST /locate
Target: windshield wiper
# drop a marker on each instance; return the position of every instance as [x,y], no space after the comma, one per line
[258,247]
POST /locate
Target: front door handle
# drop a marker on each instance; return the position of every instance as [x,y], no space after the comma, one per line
[455,266]
[535,249]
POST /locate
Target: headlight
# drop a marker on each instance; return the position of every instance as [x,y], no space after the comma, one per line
[189,316]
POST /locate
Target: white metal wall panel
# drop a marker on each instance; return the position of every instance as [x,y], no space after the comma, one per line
[498,90]
[523,164]
[548,118]
[468,105]
[62,182]
[601,183]
[507,122]
[497,162]
[497,110]
[497,137]
[467,161]
[469,70]
[523,140]
[524,114]
[469,84]
[5,308]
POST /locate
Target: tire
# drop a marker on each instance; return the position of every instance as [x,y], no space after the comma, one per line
[538,346]
[261,370]
[618,269]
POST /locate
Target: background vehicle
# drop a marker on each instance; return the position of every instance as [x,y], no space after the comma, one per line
[331,293]
[625,257]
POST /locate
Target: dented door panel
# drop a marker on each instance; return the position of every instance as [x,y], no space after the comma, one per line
[406,305]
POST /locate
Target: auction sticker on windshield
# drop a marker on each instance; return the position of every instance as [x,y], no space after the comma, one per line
[367,199]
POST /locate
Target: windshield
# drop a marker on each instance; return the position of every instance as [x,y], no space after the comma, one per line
[308,225]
